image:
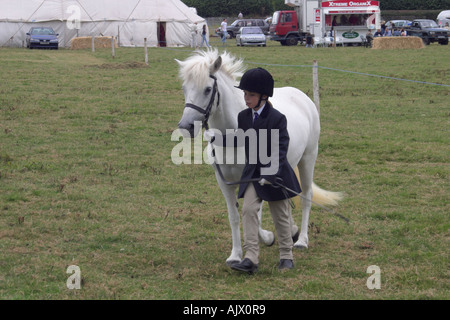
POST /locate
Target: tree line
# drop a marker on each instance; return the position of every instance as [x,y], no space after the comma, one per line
[414,5]
[261,8]
[228,8]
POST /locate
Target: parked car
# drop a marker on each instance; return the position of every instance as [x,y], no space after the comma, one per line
[42,37]
[429,31]
[234,28]
[250,36]
[398,23]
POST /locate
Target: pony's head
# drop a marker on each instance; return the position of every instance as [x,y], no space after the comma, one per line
[199,74]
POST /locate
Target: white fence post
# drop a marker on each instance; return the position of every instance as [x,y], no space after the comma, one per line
[146,51]
[118,36]
[316,85]
[112,45]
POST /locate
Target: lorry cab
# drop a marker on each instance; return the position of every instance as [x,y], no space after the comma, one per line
[284,27]
[284,22]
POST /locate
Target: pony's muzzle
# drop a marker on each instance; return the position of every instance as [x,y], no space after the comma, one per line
[190,128]
[192,119]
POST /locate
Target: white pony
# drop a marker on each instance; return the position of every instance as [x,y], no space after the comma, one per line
[211,97]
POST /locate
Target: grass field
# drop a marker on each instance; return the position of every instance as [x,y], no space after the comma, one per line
[86,179]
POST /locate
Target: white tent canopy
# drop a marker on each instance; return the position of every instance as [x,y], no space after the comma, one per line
[162,22]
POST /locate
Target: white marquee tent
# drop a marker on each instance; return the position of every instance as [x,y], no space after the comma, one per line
[162,22]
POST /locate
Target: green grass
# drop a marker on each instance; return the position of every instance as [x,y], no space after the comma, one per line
[86,179]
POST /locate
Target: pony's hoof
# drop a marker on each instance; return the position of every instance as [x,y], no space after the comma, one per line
[295,237]
[233,258]
[230,262]
[270,243]
[301,245]
[268,238]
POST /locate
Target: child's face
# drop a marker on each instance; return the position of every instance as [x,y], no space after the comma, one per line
[252,99]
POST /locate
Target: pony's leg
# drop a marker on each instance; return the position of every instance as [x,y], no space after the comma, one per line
[306,168]
[295,231]
[229,193]
[267,237]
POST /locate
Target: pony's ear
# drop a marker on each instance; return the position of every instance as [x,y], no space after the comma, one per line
[178,61]
[216,66]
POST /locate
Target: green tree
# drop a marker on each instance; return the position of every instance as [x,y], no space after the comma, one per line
[220,8]
[414,4]
[214,8]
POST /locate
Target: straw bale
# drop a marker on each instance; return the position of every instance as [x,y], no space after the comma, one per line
[397,43]
[86,43]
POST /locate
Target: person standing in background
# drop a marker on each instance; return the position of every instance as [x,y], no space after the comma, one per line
[223,28]
[309,40]
[194,32]
[204,40]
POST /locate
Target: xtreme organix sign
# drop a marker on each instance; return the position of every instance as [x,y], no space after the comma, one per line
[348,3]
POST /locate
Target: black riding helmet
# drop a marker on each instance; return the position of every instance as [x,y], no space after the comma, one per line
[257,80]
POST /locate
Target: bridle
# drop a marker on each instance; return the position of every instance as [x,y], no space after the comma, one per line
[207,110]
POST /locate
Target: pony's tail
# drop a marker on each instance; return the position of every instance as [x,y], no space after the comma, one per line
[320,196]
[326,198]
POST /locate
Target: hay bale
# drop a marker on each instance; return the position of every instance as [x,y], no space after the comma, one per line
[86,43]
[397,43]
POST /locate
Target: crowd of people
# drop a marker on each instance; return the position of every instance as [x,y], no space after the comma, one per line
[386,32]
[390,32]
[221,32]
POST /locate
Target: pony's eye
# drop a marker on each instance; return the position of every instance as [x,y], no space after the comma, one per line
[208,91]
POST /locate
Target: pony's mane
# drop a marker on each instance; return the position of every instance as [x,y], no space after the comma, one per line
[197,67]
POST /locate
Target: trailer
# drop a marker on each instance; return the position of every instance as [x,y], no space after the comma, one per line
[345,20]
[349,20]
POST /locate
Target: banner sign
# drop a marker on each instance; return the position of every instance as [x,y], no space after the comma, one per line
[349,3]
[317,15]
[350,35]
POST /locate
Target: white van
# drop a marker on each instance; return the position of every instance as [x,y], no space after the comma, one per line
[443,18]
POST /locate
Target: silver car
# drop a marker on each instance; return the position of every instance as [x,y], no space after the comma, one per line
[398,23]
[250,36]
